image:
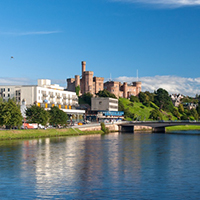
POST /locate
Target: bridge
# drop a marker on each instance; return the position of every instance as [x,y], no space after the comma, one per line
[157,126]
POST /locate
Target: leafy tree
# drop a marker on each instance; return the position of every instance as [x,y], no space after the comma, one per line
[86,98]
[104,128]
[36,114]
[77,90]
[198,110]
[106,93]
[155,114]
[134,99]
[181,108]
[163,100]
[184,117]
[194,113]
[144,98]
[176,113]
[57,116]
[150,95]
[10,114]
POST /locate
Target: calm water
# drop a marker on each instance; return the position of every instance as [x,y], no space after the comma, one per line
[114,166]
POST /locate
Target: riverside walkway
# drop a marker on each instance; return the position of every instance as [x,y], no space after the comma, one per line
[157,126]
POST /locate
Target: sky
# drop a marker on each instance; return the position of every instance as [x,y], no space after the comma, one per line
[156,40]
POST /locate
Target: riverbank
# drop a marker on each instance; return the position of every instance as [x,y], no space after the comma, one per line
[41,133]
[182,128]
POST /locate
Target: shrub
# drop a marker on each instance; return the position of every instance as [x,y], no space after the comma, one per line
[103,128]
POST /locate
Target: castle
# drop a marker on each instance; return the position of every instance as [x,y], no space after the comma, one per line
[93,85]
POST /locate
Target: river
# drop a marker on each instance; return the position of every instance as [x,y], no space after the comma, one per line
[113,166]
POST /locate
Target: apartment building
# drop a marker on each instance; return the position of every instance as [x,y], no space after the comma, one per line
[44,94]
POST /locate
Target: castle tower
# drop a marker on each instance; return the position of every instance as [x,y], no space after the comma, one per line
[77,80]
[83,67]
[125,90]
[138,86]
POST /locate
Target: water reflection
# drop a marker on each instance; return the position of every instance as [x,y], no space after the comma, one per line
[113,166]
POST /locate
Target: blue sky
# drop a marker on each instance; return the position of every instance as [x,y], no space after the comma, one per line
[50,38]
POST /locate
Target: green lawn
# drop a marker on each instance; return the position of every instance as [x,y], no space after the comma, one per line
[41,133]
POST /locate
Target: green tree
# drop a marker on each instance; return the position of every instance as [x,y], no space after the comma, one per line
[150,95]
[144,99]
[10,114]
[106,93]
[77,90]
[57,116]
[163,100]
[198,110]
[181,108]
[134,99]
[155,114]
[194,113]
[36,114]
[176,113]
[86,98]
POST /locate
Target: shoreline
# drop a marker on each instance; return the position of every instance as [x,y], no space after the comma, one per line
[41,133]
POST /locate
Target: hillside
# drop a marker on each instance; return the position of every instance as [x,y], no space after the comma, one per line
[140,112]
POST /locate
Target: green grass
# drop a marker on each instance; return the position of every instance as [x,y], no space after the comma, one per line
[41,133]
[182,128]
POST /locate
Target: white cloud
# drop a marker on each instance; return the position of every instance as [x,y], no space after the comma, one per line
[17,81]
[27,81]
[168,3]
[173,84]
[30,33]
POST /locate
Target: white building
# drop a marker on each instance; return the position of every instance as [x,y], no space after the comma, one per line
[104,104]
[44,94]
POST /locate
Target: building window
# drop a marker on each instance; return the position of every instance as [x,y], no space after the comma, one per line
[8,95]
[3,95]
[8,89]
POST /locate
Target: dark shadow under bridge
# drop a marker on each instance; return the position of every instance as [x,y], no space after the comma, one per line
[157,126]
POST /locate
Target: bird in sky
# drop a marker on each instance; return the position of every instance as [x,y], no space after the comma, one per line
[11,57]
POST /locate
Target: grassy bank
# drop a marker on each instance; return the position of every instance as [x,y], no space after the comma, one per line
[41,133]
[182,128]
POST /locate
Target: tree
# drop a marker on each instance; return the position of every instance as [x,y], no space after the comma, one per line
[180,108]
[77,90]
[106,93]
[194,113]
[144,99]
[57,116]
[150,95]
[86,98]
[10,114]
[163,100]
[198,110]
[134,99]
[155,114]
[36,114]
[176,113]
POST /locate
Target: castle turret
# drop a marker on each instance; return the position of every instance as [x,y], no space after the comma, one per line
[83,67]
[125,90]
[138,86]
